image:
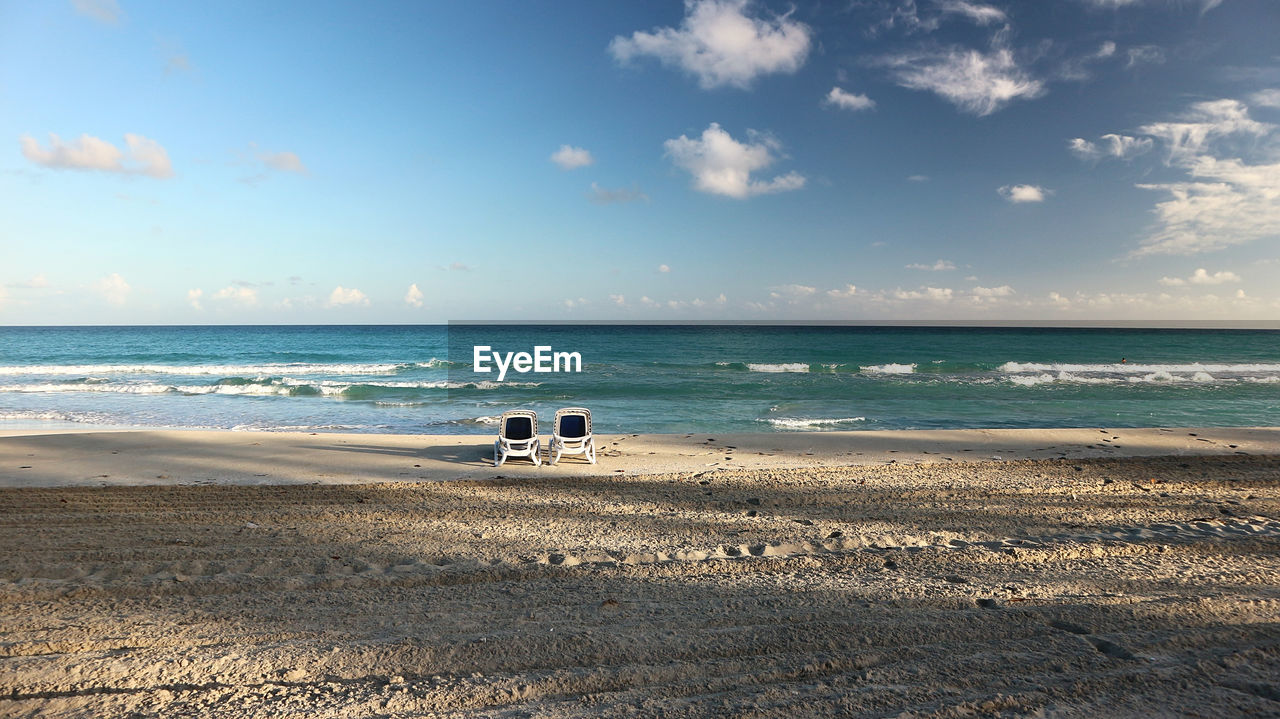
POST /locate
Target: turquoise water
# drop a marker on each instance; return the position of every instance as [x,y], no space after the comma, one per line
[637,378]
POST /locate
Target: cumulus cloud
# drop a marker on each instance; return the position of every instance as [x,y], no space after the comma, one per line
[238,294]
[664,269]
[1023,193]
[193,297]
[848,101]
[143,156]
[1121,147]
[976,82]
[932,294]
[105,11]
[1202,277]
[842,293]
[113,288]
[604,196]
[619,300]
[938,266]
[342,296]
[988,293]
[413,297]
[721,165]
[571,158]
[721,42]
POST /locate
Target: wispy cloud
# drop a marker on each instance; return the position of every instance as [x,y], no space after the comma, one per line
[144,156]
[664,269]
[104,11]
[193,298]
[977,82]
[1121,147]
[1018,194]
[939,266]
[1225,201]
[722,42]
[977,12]
[1144,55]
[571,158]
[721,165]
[848,100]
[605,196]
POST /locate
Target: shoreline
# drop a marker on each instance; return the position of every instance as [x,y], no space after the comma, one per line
[186,457]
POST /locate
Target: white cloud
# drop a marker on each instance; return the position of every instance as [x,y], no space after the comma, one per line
[792,292]
[144,157]
[1144,55]
[113,288]
[604,196]
[413,297]
[283,161]
[993,292]
[842,293]
[932,294]
[917,178]
[720,44]
[1023,193]
[1202,277]
[1205,122]
[1118,146]
[1225,201]
[664,269]
[580,302]
[976,82]
[37,282]
[571,158]
[849,101]
[938,266]
[193,296]
[1205,5]
[241,295]
[1266,98]
[343,296]
[1105,50]
[977,12]
[619,300]
[721,165]
[106,11]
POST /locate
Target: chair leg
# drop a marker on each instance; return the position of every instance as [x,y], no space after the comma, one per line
[591,450]
[498,455]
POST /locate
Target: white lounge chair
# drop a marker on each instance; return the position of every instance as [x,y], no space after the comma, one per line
[517,437]
[571,434]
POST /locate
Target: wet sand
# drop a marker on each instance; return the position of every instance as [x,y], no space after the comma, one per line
[892,583]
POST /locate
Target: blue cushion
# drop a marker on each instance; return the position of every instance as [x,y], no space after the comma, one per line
[573,425]
[519,428]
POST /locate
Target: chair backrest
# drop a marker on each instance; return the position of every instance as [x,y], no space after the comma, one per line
[573,422]
[519,424]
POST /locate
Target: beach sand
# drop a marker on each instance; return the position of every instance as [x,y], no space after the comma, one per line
[1083,573]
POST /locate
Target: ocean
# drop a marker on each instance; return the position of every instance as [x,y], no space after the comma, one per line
[636,378]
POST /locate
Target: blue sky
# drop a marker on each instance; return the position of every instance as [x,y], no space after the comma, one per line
[423,162]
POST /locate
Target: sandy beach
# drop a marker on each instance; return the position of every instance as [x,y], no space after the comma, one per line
[1056,573]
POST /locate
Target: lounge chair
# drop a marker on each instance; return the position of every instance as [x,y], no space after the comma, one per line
[517,437]
[571,434]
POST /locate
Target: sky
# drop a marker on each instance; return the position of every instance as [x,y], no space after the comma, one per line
[316,162]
